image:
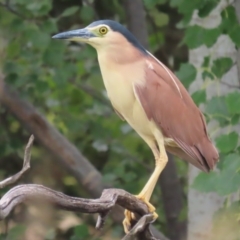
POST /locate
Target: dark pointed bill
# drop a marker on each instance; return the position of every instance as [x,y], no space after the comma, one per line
[75,34]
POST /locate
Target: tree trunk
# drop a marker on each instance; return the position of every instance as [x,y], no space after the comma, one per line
[135,14]
[172,196]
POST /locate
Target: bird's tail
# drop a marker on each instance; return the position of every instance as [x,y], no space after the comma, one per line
[208,153]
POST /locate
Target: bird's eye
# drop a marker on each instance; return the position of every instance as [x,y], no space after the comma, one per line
[103,30]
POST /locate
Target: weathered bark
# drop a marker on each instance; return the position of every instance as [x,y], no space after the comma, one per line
[63,151]
[136,22]
[172,197]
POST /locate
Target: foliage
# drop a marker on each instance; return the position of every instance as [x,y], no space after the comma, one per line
[223,108]
[62,80]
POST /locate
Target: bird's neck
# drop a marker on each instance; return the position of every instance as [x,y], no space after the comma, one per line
[125,54]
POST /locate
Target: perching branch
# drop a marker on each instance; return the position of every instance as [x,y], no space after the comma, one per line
[102,206]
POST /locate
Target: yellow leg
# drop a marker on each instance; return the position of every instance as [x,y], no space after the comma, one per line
[146,193]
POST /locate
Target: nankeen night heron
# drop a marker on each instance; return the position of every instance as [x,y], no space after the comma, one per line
[145,93]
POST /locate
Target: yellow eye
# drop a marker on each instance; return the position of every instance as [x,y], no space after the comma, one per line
[103,30]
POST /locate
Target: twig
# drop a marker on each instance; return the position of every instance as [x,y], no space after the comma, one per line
[10,9]
[230,85]
[26,165]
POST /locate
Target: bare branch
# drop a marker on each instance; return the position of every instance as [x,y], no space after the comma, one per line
[33,192]
[26,165]
[110,197]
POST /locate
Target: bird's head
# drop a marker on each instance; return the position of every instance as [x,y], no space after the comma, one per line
[102,34]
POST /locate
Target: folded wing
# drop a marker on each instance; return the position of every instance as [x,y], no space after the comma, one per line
[168,104]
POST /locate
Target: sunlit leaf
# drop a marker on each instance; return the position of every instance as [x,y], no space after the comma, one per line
[216,108]
[70,11]
[221,66]
[227,143]
[199,96]
[233,102]
[196,36]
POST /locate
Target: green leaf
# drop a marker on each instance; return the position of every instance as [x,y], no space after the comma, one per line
[86,13]
[199,97]
[229,19]
[235,119]
[206,61]
[234,34]
[233,102]
[205,182]
[196,36]
[224,182]
[16,232]
[187,74]
[230,24]
[227,143]
[208,6]
[160,19]
[38,38]
[54,54]
[221,66]
[69,11]
[81,232]
[216,108]
[207,75]
[229,177]
[150,4]
[49,26]
[186,6]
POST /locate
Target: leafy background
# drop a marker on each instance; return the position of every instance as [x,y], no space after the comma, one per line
[63,82]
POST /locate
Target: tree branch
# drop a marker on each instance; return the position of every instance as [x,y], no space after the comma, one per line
[102,206]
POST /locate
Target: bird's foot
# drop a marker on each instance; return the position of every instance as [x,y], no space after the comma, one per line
[130,217]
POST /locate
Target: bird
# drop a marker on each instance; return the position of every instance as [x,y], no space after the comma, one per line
[148,95]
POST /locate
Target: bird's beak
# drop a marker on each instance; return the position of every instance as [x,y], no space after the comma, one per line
[80,35]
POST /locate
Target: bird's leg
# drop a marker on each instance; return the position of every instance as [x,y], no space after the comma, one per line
[146,193]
